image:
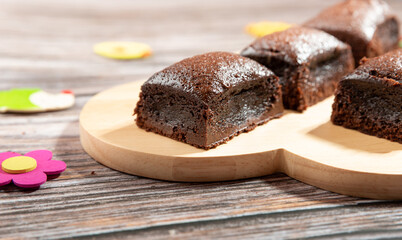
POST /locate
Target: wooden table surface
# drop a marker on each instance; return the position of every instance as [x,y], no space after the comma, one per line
[48,44]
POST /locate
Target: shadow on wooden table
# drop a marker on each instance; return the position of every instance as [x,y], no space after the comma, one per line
[12,188]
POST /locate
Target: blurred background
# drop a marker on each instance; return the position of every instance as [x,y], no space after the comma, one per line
[48,44]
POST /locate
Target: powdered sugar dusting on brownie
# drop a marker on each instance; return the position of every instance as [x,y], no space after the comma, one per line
[387,66]
[360,16]
[208,75]
[298,45]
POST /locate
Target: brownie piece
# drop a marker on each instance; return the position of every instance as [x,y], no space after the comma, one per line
[207,99]
[370,98]
[366,25]
[309,63]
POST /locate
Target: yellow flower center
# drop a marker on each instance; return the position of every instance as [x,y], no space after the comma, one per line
[19,164]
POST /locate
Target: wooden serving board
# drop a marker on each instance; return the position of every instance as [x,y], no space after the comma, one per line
[307,147]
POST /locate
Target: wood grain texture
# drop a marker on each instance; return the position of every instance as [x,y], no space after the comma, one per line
[306,146]
[48,44]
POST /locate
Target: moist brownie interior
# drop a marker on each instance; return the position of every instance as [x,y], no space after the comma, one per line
[369,100]
[208,99]
[308,73]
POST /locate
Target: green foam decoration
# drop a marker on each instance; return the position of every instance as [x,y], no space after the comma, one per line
[18,99]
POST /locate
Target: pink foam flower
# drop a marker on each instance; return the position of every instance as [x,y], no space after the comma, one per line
[38,164]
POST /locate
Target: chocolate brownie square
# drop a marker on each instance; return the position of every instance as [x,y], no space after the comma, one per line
[207,99]
[368,26]
[370,99]
[309,63]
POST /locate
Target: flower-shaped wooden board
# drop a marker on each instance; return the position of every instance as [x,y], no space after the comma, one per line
[306,146]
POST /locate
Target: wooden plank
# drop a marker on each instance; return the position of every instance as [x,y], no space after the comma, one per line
[337,222]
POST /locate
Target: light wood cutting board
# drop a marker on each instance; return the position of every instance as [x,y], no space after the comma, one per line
[307,147]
